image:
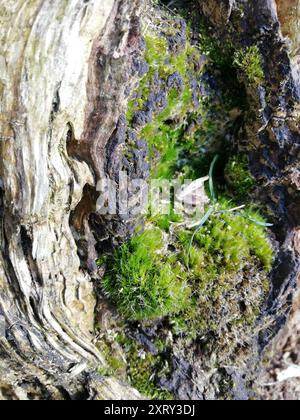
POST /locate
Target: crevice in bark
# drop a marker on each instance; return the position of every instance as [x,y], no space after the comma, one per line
[79,220]
[110,81]
[56,102]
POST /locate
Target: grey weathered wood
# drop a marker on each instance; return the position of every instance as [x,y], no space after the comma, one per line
[50,83]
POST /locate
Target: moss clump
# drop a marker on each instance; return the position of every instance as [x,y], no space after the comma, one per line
[143,282]
[229,240]
[228,260]
[250,61]
[146,282]
[144,369]
[238,176]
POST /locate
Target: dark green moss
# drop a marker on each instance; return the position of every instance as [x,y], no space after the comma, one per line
[132,362]
[114,364]
[220,53]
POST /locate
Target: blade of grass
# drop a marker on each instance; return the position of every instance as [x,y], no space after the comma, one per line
[257,222]
[211,180]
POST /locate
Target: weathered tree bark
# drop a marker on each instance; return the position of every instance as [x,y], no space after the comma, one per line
[63,65]
[65,73]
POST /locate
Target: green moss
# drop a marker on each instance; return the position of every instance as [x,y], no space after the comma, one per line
[145,282]
[165,151]
[115,364]
[223,55]
[221,258]
[250,61]
[234,238]
[144,369]
[257,239]
[156,51]
[238,176]
[162,136]
[142,282]
[230,239]
[166,134]
[220,52]
[209,287]
[164,221]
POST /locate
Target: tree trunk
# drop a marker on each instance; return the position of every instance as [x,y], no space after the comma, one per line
[66,70]
[62,65]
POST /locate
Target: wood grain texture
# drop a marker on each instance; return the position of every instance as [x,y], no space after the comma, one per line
[50,86]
